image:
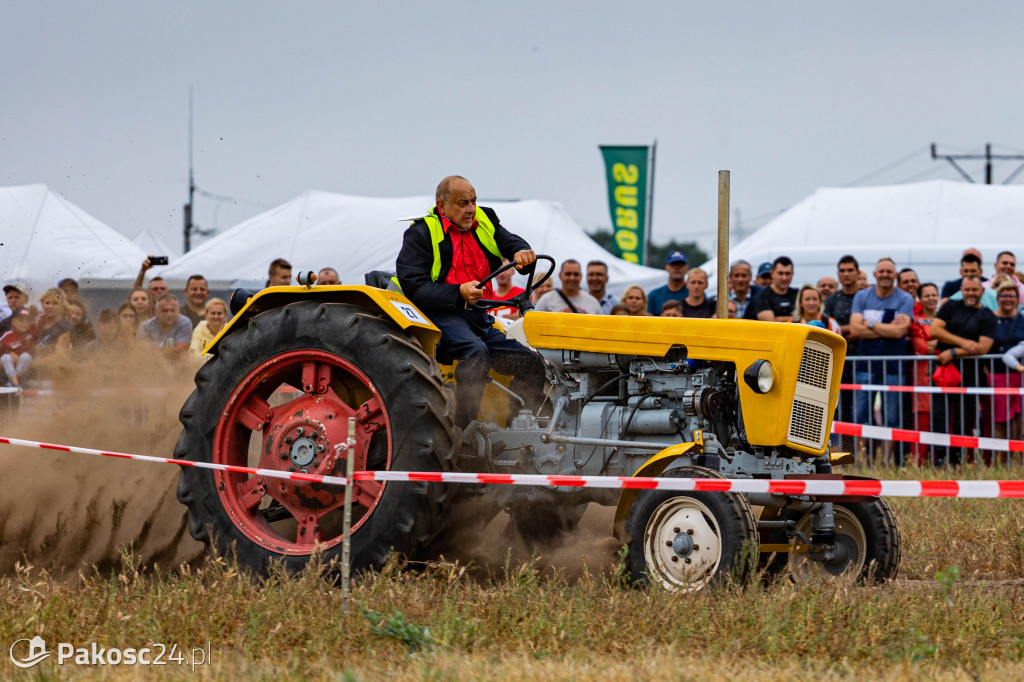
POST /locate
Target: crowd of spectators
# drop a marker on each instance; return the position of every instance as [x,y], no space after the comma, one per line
[39,340]
[897,316]
[884,320]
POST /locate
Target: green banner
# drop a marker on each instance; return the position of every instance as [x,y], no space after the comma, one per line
[627,200]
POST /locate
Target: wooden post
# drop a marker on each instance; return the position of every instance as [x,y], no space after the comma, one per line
[723,244]
[650,207]
[346,527]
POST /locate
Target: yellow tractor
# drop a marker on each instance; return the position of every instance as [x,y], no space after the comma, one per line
[626,396]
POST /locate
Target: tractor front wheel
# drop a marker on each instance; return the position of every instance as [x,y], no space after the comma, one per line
[868,542]
[687,541]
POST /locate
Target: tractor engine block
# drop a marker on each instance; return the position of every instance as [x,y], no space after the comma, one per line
[623,397]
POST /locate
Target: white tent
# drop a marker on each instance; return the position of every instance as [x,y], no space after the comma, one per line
[44,238]
[925,226]
[357,234]
[152,245]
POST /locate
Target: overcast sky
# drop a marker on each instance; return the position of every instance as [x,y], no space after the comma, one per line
[384,99]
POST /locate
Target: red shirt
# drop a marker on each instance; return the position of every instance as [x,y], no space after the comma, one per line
[469,262]
[506,310]
[16,342]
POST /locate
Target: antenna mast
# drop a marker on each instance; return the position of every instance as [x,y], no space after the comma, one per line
[191,181]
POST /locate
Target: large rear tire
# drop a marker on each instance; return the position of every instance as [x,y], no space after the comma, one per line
[278,395]
[541,526]
[688,541]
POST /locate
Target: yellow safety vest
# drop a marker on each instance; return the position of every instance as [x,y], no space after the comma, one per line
[484,232]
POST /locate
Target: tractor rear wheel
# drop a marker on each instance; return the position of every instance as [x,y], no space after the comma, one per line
[279,395]
[543,525]
[687,541]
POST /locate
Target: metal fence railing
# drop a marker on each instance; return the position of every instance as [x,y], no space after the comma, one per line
[987,403]
[986,408]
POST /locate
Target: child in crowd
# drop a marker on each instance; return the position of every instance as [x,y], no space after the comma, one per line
[672,309]
[110,337]
[16,346]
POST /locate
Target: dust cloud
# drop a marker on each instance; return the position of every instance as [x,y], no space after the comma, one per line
[590,548]
[488,547]
[65,511]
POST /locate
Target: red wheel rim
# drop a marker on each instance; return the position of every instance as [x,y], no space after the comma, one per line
[291,414]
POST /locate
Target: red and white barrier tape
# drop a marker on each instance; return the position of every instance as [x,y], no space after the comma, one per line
[19,391]
[926,437]
[952,390]
[101,392]
[852,487]
[837,488]
[272,473]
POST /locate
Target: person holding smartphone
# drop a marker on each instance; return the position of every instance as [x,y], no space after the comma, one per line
[147,263]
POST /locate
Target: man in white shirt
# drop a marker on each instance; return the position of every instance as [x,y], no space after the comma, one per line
[570,298]
[1006,263]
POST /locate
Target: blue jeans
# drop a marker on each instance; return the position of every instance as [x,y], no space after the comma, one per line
[469,337]
[887,374]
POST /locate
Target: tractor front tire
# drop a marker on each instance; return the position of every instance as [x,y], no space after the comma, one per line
[279,395]
[868,535]
[688,541]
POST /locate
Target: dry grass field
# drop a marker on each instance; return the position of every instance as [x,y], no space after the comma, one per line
[94,551]
[957,612]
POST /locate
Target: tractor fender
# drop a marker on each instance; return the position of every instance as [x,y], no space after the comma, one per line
[392,304]
[653,467]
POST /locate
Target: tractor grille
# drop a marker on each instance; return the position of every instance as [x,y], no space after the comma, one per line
[807,425]
[815,368]
[808,420]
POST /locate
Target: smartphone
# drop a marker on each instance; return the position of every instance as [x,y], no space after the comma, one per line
[158,260]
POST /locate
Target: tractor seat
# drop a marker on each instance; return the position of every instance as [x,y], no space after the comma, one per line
[381,279]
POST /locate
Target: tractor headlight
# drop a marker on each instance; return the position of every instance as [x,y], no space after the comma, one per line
[760,376]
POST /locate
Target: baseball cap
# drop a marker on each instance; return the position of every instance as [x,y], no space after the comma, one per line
[19,286]
[21,310]
[676,257]
[764,269]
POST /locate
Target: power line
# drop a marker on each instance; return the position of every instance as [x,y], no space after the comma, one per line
[762,219]
[988,156]
[223,197]
[886,167]
[924,173]
[1007,148]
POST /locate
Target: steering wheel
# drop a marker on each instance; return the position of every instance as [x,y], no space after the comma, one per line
[521,301]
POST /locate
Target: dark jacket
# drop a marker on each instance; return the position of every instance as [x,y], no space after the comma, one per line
[416,257]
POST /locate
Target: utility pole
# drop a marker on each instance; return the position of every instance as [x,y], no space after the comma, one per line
[191,182]
[989,158]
